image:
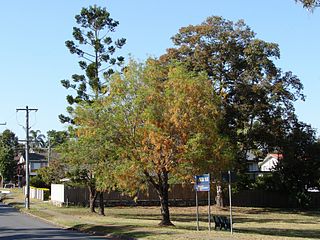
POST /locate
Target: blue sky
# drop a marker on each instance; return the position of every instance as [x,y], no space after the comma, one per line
[34,58]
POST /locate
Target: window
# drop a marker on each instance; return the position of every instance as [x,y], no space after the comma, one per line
[35,166]
[253,167]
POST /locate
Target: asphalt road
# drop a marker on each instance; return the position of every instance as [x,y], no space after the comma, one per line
[15,225]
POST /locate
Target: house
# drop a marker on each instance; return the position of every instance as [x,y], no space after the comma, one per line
[252,165]
[36,161]
[270,162]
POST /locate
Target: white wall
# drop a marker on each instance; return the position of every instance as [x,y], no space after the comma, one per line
[57,193]
[269,165]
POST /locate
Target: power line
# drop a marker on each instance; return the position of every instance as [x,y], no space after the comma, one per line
[27,192]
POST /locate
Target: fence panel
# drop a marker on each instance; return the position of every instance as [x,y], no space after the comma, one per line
[179,194]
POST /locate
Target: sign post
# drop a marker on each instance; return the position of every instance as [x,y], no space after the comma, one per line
[197,210]
[230,202]
[202,184]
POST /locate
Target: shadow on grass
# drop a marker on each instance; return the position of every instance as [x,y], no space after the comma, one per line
[277,211]
[174,217]
[302,233]
[265,211]
[123,232]
[272,220]
[310,213]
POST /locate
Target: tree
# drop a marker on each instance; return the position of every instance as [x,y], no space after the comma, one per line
[53,173]
[8,138]
[256,96]
[8,148]
[300,167]
[57,137]
[87,155]
[97,61]
[76,155]
[6,164]
[309,4]
[37,140]
[38,182]
[96,49]
[166,119]
[94,121]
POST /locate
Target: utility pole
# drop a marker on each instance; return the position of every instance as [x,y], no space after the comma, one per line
[1,183]
[49,151]
[27,190]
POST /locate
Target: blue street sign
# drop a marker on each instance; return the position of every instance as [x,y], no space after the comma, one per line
[202,183]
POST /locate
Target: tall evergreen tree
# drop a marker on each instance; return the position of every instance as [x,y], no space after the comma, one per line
[96,48]
[309,4]
[94,45]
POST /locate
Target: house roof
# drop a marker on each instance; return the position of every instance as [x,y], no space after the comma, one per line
[37,156]
[34,157]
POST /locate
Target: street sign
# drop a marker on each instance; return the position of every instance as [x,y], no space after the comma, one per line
[202,183]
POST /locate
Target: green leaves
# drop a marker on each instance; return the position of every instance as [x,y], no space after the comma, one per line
[95,18]
[256,97]
[6,158]
[8,144]
[299,168]
[96,48]
[309,4]
[159,120]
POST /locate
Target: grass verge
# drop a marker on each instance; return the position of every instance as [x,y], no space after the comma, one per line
[142,222]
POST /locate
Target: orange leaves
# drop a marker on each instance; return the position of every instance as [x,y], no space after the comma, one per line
[174,111]
[158,111]
[157,148]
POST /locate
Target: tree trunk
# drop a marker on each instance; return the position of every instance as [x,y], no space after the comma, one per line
[219,197]
[162,188]
[101,204]
[164,200]
[92,197]
[164,206]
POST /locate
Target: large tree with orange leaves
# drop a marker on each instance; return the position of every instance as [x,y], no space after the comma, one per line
[166,121]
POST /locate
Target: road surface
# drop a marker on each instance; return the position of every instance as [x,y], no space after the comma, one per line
[15,225]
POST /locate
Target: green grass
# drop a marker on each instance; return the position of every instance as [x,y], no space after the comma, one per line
[142,222]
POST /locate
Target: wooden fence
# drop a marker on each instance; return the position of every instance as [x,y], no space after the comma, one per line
[179,195]
[260,198]
[184,195]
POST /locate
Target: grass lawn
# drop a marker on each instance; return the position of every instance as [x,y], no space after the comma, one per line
[141,222]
